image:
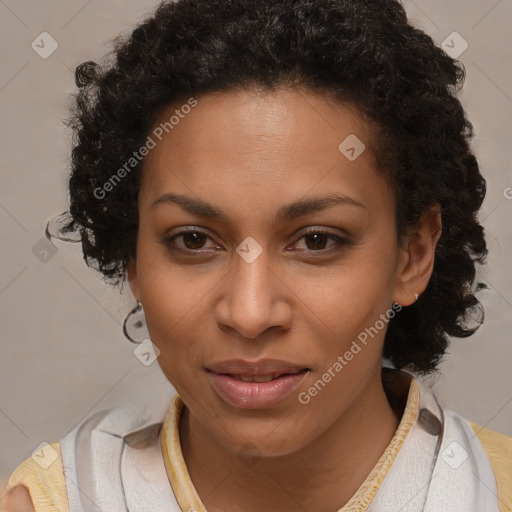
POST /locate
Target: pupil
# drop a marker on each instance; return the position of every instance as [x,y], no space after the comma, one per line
[196,239]
[317,237]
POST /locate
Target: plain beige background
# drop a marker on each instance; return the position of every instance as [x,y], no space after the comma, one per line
[63,353]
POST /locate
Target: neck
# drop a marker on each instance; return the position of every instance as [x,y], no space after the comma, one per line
[321,476]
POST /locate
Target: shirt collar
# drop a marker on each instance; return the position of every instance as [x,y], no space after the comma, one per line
[400,387]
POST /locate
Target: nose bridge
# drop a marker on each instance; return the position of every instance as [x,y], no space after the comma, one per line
[251,286]
[251,295]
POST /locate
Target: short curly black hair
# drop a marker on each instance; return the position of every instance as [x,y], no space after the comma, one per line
[364,52]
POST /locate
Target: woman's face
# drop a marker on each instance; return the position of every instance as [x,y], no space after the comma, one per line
[266,232]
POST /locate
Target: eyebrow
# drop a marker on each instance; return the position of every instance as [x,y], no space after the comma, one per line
[287,212]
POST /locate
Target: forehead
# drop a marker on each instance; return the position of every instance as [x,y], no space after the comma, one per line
[261,145]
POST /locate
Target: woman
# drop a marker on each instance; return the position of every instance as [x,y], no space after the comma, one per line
[288,189]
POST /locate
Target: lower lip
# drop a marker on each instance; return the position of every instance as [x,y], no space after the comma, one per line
[255,395]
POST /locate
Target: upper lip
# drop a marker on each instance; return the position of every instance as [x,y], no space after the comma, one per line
[257,368]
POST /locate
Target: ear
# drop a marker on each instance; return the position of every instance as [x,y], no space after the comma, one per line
[417,257]
[131,269]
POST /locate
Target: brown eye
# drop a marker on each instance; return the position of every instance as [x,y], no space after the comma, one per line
[191,241]
[318,240]
[194,240]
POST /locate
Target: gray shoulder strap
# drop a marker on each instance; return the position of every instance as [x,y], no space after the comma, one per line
[113,462]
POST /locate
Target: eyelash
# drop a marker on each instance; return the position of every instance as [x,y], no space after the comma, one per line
[342,242]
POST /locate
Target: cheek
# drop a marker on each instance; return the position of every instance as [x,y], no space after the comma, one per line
[173,315]
[344,318]
[344,300]
[170,292]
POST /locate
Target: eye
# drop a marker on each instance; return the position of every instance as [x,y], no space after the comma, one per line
[316,240]
[192,240]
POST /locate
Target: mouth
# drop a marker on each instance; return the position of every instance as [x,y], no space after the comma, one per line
[261,378]
[255,385]
[259,368]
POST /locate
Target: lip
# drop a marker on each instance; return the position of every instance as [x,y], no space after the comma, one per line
[255,395]
[261,367]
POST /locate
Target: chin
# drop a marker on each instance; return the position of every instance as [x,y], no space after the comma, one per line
[257,441]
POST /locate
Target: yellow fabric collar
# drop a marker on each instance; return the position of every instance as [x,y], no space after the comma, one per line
[189,500]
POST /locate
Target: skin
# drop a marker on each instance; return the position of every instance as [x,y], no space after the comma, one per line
[249,153]
[17,500]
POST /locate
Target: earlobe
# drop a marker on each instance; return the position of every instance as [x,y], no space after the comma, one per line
[131,270]
[418,255]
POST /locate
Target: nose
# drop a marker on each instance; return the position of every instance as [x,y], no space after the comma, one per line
[254,298]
